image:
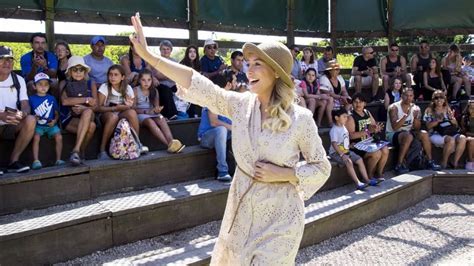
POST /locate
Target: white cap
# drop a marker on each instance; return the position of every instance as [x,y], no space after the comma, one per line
[41,76]
[209,42]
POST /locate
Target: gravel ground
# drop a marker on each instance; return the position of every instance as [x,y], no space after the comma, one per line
[438,230]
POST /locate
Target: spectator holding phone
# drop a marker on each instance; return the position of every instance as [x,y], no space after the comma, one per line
[15,121]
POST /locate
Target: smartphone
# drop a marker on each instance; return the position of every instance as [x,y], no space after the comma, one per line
[11,110]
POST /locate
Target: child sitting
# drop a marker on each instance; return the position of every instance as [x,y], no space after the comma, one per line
[45,108]
[340,153]
[148,109]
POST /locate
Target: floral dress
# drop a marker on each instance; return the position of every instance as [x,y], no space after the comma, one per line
[263,222]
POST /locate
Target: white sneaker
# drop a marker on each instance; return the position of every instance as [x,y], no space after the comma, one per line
[225,178]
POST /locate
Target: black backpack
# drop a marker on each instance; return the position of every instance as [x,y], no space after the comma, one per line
[17,85]
[415,160]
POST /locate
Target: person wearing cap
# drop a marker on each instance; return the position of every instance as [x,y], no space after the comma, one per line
[269,132]
[98,63]
[15,121]
[296,70]
[46,110]
[39,61]
[78,100]
[332,83]
[211,64]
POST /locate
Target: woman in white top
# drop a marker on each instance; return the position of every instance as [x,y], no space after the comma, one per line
[264,219]
[333,83]
[453,63]
[115,102]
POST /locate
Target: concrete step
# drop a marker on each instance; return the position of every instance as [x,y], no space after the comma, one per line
[64,232]
[59,185]
[331,217]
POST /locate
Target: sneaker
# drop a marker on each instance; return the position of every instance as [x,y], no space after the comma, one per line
[372,182]
[175,146]
[36,165]
[400,169]
[380,179]
[144,149]
[1,171]
[17,167]
[361,186]
[433,166]
[470,166]
[75,159]
[59,163]
[103,156]
[224,178]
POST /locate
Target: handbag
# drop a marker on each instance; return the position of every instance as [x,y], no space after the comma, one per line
[77,88]
[446,128]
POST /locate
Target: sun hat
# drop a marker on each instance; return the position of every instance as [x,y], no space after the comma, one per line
[209,42]
[41,76]
[332,65]
[77,60]
[276,55]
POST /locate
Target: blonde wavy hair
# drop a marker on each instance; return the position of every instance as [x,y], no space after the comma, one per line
[281,102]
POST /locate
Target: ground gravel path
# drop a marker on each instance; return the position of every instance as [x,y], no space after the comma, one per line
[438,230]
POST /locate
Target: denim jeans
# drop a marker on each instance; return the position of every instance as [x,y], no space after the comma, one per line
[217,138]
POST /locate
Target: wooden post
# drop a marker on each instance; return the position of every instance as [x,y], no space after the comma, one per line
[49,22]
[332,26]
[290,33]
[390,36]
[192,22]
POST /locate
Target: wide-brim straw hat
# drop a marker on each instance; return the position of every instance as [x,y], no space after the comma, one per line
[77,61]
[276,55]
[332,65]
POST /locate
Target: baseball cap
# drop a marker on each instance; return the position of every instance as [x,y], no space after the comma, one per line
[6,52]
[97,39]
[41,76]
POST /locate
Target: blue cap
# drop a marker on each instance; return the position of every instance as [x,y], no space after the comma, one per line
[97,39]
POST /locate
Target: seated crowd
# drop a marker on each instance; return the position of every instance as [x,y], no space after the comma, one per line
[62,92]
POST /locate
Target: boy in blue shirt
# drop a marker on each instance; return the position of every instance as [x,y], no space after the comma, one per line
[45,108]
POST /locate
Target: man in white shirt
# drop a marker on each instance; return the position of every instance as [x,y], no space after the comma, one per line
[15,119]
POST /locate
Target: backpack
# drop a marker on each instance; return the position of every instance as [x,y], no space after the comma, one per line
[414,158]
[124,144]
[17,86]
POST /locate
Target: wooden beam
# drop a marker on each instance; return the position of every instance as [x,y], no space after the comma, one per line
[49,23]
[290,17]
[391,38]
[193,22]
[333,21]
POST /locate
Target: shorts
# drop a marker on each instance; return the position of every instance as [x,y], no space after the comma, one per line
[438,140]
[50,131]
[366,82]
[392,137]
[8,132]
[338,159]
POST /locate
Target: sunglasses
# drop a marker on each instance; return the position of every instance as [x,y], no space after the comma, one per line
[372,52]
[394,50]
[209,47]
[78,69]
[438,98]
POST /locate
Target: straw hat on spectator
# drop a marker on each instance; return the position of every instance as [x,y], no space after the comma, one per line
[332,65]
[77,61]
[276,55]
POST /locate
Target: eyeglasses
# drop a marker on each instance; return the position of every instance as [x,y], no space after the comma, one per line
[209,47]
[78,69]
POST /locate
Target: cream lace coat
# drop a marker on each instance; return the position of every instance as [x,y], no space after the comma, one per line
[266,227]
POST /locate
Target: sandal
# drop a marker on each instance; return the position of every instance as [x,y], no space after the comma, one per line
[75,159]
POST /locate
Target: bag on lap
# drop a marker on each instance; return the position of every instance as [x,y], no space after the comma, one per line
[446,128]
[125,144]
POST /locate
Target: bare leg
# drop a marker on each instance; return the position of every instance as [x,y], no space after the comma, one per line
[321,107]
[363,172]
[58,138]
[155,130]
[448,149]
[131,116]
[351,172]
[329,107]
[109,120]
[467,85]
[164,128]
[372,159]
[25,131]
[470,154]
[375,85]
[404,139]
[382,161]
[385,82]
[358,83]
[87,139]
[35,146]
[425,141]
[460,147]
[311,103]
